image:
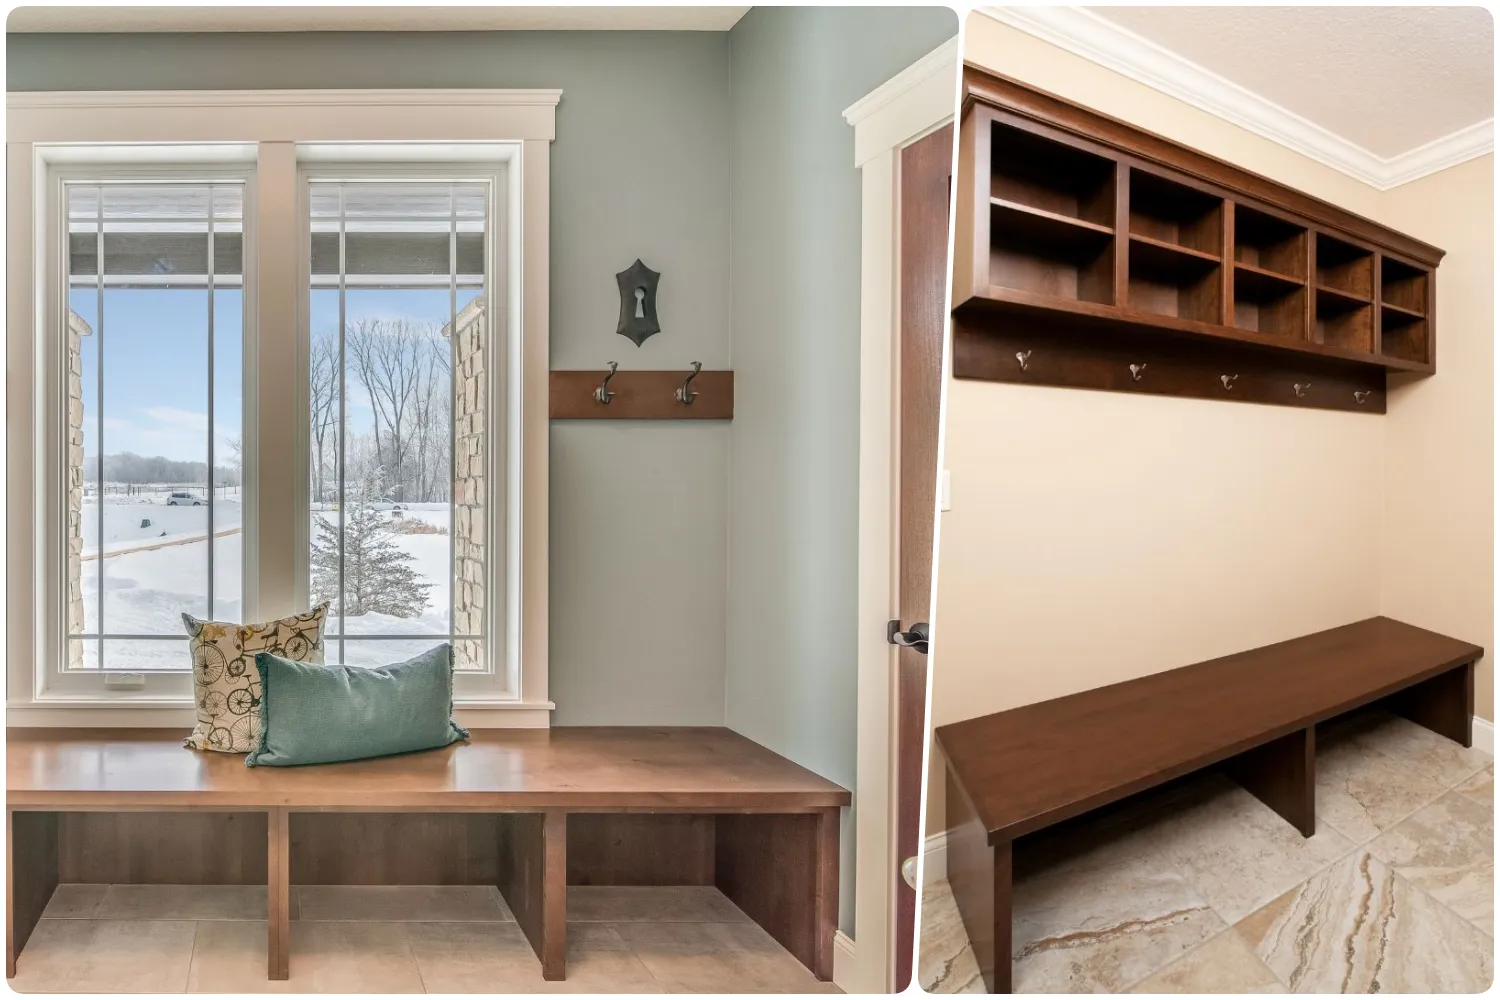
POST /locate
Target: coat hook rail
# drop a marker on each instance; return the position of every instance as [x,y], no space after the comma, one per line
[700,394]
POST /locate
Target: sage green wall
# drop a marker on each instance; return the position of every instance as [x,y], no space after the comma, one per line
[794,456]
[640,168]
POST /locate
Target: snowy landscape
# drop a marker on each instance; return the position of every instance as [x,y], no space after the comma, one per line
[155,562]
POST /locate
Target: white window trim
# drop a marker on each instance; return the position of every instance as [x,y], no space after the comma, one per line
[213,124]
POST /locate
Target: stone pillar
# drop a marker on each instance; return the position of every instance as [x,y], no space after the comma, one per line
[470,461]
[77,330]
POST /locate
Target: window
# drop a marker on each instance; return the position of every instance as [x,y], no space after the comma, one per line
[152,337]
[265,370]
[399,418]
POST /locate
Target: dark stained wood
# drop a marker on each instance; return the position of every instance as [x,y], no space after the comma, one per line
[1026,769]
[1106,229]
[782,870]
[533,880]
[159,848]
[641,395]
[30,877]
[1088,358]
[926,179]
[980,888]
[640,849]
[278,895]
[1013,773]
[331,848]
[1444,704]
[600,769]
[1281,774]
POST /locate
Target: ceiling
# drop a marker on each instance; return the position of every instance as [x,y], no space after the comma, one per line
[372,18]
[1384,93]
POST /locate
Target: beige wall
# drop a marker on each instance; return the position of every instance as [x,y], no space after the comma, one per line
[1095,537]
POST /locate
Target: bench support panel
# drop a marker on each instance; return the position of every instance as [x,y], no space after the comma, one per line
[980,878]
[533,869]
[278,895]
[783,871]
[1281,774]
[1444,704]
[30,877]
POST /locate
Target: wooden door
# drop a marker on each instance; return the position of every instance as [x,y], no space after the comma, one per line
[926,183]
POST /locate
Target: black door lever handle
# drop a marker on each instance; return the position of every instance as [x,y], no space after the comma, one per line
[914,638]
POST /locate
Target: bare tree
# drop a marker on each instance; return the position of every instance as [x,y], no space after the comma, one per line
[386,356]
[323,397]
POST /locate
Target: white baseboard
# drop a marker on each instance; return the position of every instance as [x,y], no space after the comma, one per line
[935,857]
[935,847]
[1484,735]
[845,969]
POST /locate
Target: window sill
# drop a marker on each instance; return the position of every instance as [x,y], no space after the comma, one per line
[167,713]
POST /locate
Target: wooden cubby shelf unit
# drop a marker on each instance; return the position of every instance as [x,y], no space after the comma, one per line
[1091,254]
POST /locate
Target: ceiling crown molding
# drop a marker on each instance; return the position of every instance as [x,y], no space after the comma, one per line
[1086,34]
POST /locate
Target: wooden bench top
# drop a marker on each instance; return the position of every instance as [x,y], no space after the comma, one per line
[1030,767]
[585,769]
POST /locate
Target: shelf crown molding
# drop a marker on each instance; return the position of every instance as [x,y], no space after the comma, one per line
[1086,34]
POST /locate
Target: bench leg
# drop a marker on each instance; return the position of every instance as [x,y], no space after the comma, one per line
[1281,774]
[30,876]
[1444,704]
[533,879]
[783,871]
[278,895]
[979,874]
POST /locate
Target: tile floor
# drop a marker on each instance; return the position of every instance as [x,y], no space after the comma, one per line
[1199,888]
[398,939]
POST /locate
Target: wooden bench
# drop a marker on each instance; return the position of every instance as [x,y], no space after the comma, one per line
[529,811]
[1013,773]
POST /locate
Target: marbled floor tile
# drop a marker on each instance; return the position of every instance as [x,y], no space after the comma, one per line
[401,902]
[718,958]
[106,956]
[1361,793]
[182,902]
[945,961]
[1102,930]
[1481,787]
[1239,854]
[1422,749]
[1357,928]
[74,899]
[658,903]
[1223,965]
[496,958]
[1447,850]
[326,957]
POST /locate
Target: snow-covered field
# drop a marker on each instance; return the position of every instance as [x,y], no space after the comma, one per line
[154,572]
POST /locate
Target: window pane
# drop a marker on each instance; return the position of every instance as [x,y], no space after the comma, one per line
[151,330]
[398,510]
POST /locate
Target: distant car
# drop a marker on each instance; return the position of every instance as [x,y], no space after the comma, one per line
[183,500]
[386,503]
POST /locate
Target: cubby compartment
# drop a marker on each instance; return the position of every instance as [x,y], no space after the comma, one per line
[1174,281]
[1267,244]
[1051,217]
[1403,287]
[1403,335]
[1169,214]
[1268,304]
[1343,321]
[1345,268]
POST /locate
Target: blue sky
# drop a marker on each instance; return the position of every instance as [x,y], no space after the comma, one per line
[156,362]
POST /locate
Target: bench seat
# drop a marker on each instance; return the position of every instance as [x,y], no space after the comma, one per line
[637,805]
[1016,772]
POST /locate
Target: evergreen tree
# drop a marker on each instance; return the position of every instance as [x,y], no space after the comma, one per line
[377,574]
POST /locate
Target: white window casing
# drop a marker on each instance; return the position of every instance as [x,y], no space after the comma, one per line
[275,141]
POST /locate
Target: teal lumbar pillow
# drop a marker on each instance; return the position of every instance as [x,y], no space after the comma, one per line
[317,714]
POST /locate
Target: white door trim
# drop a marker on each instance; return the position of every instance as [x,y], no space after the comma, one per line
[907,107]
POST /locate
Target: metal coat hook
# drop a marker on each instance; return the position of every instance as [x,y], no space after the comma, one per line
[1360,395]
[1300,388]
[602,394]
[685,395]
[1228,381]
[1023,357]
[1137,372]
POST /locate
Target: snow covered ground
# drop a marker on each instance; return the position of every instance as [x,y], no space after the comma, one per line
[154,572]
